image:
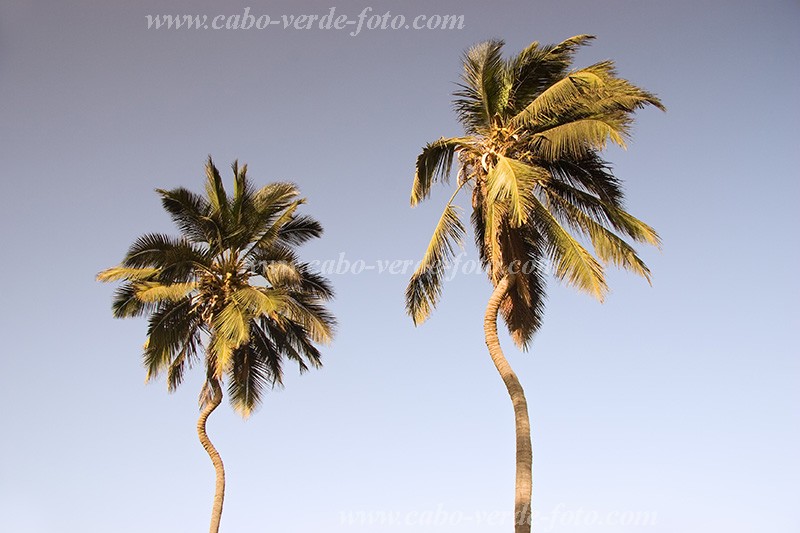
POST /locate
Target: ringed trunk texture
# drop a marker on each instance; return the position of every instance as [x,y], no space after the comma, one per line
[219,493]
[522,499]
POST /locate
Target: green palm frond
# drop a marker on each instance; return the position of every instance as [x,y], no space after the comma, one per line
[608,246]
[298,230]
[536,68]
[190,212]
[434,163]
[183,361]
[425,286]
[176,259]
[589,173]
[172,326]
[249,375]
[126,304]
[483,88]
[572,262]
[579,138]
[311,315]
[275,198]
[215,190]
[576,89]
[513,182]
[269,233]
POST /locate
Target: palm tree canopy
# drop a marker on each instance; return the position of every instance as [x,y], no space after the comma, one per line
[534,129]
[230,285]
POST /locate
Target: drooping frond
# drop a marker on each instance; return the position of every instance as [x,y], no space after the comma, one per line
[605,212]
[578,139]
[229,330]
[183,360]
[512,182]
[523,309]
[434,163]
[249,373]
[310,313]
[254,301]
[170,329]
[425,286]
[590,173]
[126,304]
[572,262]
[608,246]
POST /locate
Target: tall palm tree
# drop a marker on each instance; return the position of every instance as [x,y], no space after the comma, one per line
[534,129]
[230,287]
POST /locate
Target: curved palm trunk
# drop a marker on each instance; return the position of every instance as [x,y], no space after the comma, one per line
[219,493]
[522,500]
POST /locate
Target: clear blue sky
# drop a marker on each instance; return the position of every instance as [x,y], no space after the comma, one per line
[679,399]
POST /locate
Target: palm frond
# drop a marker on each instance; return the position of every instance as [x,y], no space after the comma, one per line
[512,182]
[190,212]
[215,190]
[119,273]
[311,315]
[298,230]
[577,139]
[248,376]
[608,246]
[425,286]
[575,89]
[176,259]
[537,67]
[153,291]
[170,328]
[483,88]
[184,359]
[435,162]
[126,304]
[255,301]
[523,309]
[572,262]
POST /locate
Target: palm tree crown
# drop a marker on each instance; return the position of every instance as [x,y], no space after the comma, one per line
[533,132]
[231,284]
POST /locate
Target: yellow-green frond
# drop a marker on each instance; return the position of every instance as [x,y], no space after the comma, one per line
[512,182]
[576,139]
[434,163]
[424,288]
[153,291]
[572,262]
[118,273]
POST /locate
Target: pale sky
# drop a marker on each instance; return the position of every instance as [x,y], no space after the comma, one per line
[679,400]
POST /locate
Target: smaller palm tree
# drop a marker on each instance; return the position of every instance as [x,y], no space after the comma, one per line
[230,287]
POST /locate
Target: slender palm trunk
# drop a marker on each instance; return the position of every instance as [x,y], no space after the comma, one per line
[522,499]
[219,493]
